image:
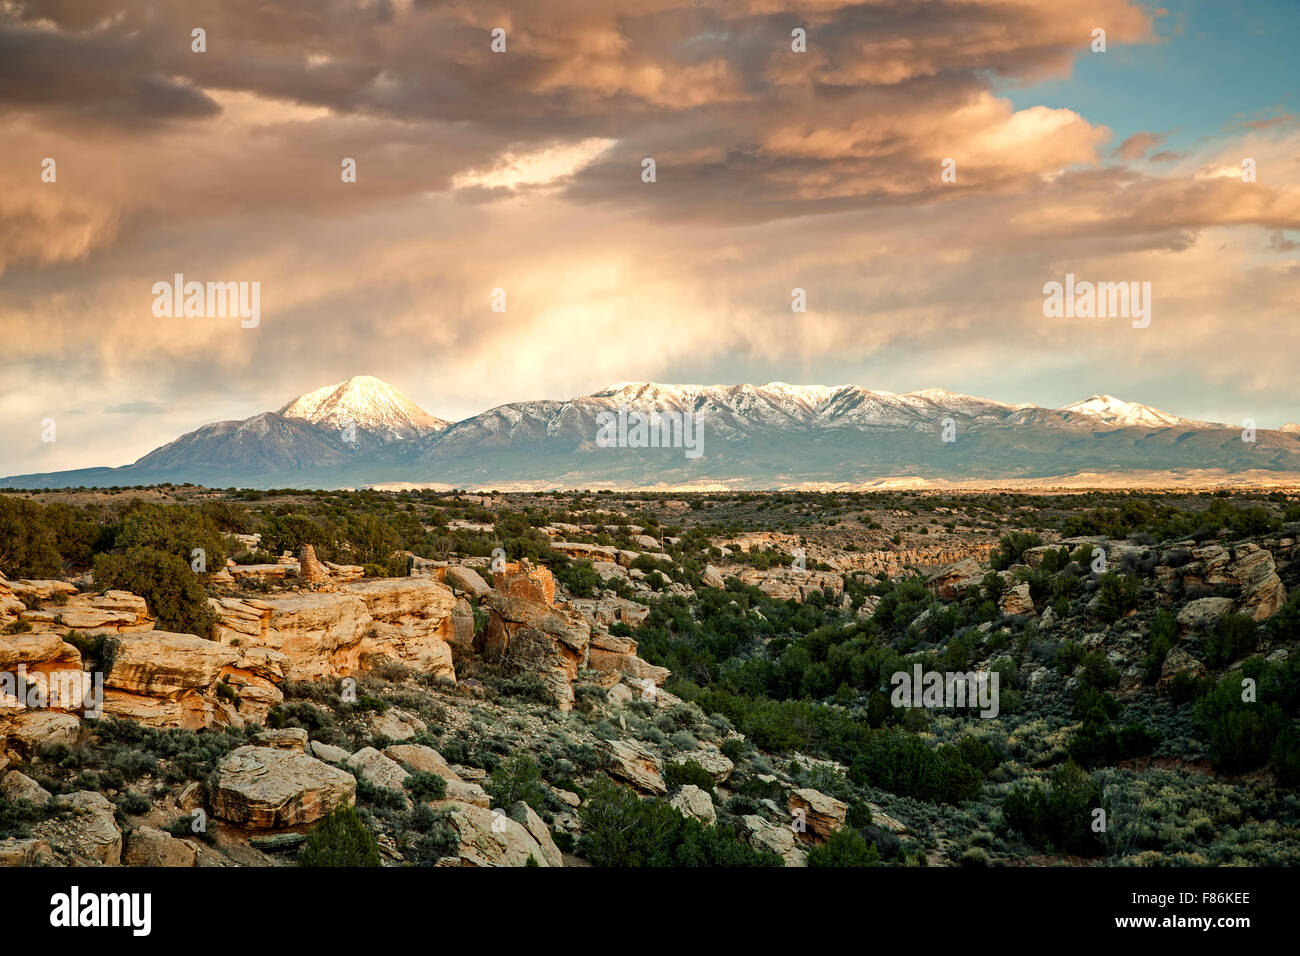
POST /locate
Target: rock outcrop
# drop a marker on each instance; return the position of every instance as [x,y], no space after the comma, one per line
[267,788]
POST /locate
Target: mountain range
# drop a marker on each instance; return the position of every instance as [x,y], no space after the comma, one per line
[365,432]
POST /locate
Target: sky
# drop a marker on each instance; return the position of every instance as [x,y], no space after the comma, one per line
[522,171]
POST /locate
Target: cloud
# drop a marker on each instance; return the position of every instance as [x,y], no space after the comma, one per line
[522,171]
[1138,145]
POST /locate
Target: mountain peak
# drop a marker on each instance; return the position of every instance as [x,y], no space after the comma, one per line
[368,402]
[1115,411]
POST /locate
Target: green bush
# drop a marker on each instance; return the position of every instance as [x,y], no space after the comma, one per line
[1059,817]
[688,772]
[174,530]
[844,847]
[425,786]
[1233,636]
[518,778]
[170,589]
[621,829]
[341,839]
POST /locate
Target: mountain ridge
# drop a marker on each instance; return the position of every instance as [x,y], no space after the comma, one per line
[364,431]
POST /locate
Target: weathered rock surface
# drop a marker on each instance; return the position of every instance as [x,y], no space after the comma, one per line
[696,803]
[88,835]
[822,815]
[491,838]
[527,817]
[149,846]
[631,762]
[780,840]
[263,788]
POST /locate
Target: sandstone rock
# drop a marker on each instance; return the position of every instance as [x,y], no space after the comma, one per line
[526,816]
[822,815]
[328,752]
[17,786]
[778,839]
[378,770]
[148,846]
[420,757]
[463,792]
[1203,613]
[718,765]
[396,724]
[1016,601]
[691,801]
[947,581]
[467,579]
[628,665]
[28,852]
[567,797]
[32,731]
[259,787]
[461,638]
[712,578]
[1179,660]
[633,763]
[491,838]
[89,834]
[290,738]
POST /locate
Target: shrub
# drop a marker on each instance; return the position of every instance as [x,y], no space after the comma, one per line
[1058,817]
[621,829]
[688,772]
[1117,594]
[170,589]
[1233,636]
[518,778]
[341,839]
[844,847]
[425,786]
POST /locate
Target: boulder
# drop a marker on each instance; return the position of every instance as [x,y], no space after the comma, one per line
[490,838]
[17,786]
[527,817]
[378,769]
[396,724]
[290,738]
[328,752]
[420,757]
[1203,613]
[467,579]
[149,846]
[693,802]
[1016,601]
[32,731]
[630,761]
[822,815]
[28,852]
[955,577]
[780,840]
[262,788]
[88,834]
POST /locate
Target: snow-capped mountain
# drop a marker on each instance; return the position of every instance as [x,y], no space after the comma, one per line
[1121,414]
[368,403]
[753,436]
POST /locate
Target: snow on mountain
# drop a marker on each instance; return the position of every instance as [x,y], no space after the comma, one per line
[1121,414]
[369,403]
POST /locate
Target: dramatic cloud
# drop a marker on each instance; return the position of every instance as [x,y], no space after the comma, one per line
[522,171]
